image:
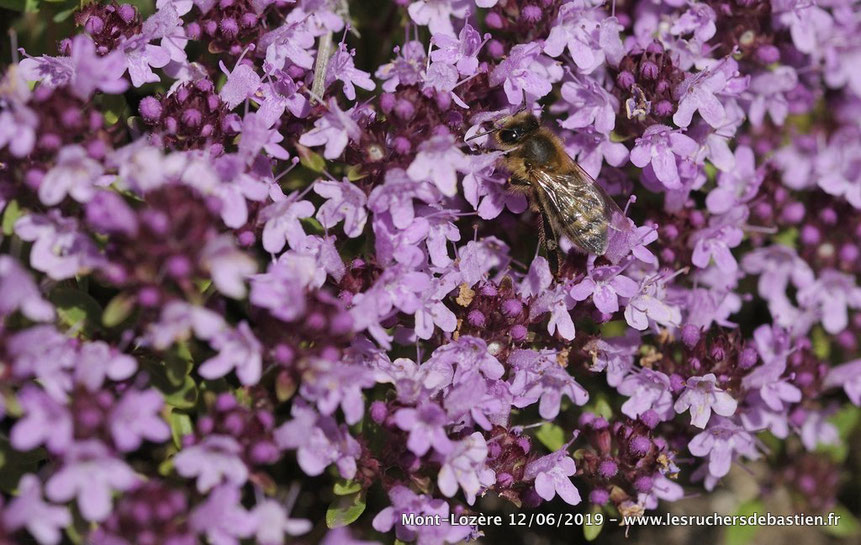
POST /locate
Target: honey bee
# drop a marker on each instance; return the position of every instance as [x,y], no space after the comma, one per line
[574,205]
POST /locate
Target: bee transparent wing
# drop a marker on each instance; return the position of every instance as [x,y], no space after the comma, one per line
[580,208]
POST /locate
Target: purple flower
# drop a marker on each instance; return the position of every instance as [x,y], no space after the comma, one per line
[44,521]
[406,502]
[179,320]
[288,43]
[213,461]
[407,68]
[437,14]
[774,391]
[44,421]
[237,348]
[590,37]
[83,71]
[90,474]
[345,202]
[652,304]
[59,249]
[222,519]
[141,57]
[605,285]
[464,466]
[702,396]
[18,123]
[777,265]
[658,148]
[19,292]
[721,442]
[525,74]
[438,161]
[837,166]
[715,243]
[593,148]
[281,223]
[698,94]
[97,361]
[283,287]
[426,427]
[474,399]
[319,441]
[242,83]
[334,130]
[831,296]
[769,91]
[699,20]
[647,390]
[817,430]
[551,474]
[615,356]
[136,417]
[228,266]
[43,353]
[589,104]
[74,174]
[461,52]
[537,376]
[397,288]
[848,376]
[341,536]
[537,280]
[333,385]
[557,302]
[738,185]
[341,67]
[395,197]
[272,522]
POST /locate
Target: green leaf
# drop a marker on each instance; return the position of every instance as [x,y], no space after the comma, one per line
[65,14]
[354,173]
[845,420]
[10,215]
[591,531]
[551,436]
[178,364]
[184,397]
[180,426]
[615,328]
[14,5]
[821,344]
[345,487]
[847,524]
[14,464]
[118,309]
[310,159]
[172,378]
[345,510]
[742,535]
[602,407]
[76,309]
[711,171]
[787,237]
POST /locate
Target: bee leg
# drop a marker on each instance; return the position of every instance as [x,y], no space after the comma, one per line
[554,251]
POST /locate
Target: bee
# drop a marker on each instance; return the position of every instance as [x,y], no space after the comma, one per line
[574,205]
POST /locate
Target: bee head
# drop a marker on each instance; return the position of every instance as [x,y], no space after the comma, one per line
[515,129]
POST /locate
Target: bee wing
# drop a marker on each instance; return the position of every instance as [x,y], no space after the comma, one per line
[580,208]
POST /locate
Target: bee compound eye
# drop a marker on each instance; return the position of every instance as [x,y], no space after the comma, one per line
[509,136]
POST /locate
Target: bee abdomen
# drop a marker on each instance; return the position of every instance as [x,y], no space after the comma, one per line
[590,231]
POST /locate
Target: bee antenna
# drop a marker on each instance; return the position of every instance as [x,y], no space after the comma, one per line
[477,135]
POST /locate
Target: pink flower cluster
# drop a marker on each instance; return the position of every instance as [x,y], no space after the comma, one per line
[257,286]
